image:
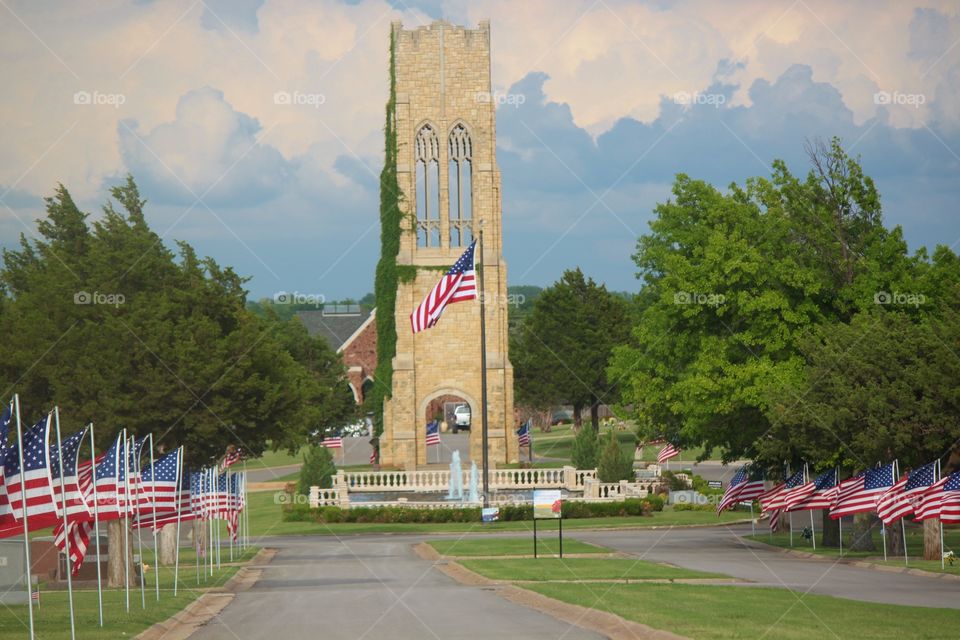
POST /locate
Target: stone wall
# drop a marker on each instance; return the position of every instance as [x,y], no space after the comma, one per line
[443,78]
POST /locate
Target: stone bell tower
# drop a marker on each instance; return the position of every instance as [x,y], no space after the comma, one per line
[447,171]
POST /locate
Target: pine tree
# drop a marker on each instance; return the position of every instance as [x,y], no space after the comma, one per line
[585,448]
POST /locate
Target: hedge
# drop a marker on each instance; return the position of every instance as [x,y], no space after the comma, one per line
[398,514]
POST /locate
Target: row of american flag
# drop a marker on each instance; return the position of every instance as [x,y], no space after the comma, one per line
[49,486]
[923,493]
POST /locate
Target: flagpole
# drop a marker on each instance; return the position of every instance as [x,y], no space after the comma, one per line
[156,545]
[96,522]
[483,377]
[840,520]
[126,523]
[903,528]
[813,529]
[753,523]
[940,520]
[136,510]
[176,548]
[23,510]
[66,533]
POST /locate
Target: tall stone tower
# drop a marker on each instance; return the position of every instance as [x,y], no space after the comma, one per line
[447,171]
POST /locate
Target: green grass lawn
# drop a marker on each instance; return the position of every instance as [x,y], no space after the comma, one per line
[275,459]
[52,620]
[466,547]
[559,443]
[265,519]
[707,612]
[579,569]
[951,540]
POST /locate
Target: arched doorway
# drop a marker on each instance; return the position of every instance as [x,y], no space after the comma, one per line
[459,417]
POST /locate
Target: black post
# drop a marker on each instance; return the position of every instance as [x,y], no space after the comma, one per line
[534,536]
[561,537]
[483,380]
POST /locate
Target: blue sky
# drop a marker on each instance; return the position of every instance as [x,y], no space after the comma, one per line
[603,103]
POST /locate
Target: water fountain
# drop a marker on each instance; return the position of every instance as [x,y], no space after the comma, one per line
[473,495]
[456,478]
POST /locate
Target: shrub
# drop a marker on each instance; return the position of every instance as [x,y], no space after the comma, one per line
[615,465]
[317,470]
[585,448]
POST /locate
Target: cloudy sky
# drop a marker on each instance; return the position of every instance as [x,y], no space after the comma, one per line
[603,102]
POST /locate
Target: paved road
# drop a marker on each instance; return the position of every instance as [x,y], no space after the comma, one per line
[720,549]
[371,587]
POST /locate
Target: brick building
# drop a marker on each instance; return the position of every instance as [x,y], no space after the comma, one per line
[352,332]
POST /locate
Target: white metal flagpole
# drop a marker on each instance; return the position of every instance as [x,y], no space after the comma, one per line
[23,508]
[96,522]
[136,510]
[126,520]
[156,546]
[903,530]
[66,532]
[176,548]
[941,522]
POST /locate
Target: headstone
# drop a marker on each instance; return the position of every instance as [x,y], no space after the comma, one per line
[12,572]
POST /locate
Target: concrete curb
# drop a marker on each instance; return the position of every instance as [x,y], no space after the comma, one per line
[853,562]
[208,606]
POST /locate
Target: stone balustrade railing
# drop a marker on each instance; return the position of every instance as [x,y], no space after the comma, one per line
[418,481]
[327,498]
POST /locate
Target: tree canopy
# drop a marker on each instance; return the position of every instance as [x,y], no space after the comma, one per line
[105,321]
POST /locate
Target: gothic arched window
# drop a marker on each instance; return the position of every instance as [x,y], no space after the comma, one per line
[427,159]
[460,184]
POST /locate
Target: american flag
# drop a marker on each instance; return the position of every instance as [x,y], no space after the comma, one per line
[941,500]
[8,524]
[32,488]
[772,501]
[159,484]
[821,494]
[233,456]
[669,451]
[184,509]
[740,489]
[79,533]
[332,442]
[110,478]
[433,433]
[235,506]
[861,495]
[134,485]
[373,456]
[457,285]
[77,508]
[900,500]
[523,434]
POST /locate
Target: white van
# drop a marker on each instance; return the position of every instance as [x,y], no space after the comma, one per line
[461,417]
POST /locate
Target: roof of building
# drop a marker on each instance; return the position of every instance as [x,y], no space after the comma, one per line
[338,325]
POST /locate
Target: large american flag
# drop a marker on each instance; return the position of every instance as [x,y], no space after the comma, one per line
[159,484]
[901,498]
[77,508]
[862,493]
[110,479]
[457,285]
[772,501]
[523,434]
[187,506]
[433,433]
[820,493]
[30,489]
[79,534]
[8,524]
[741,489]
[670,450]
[941,500]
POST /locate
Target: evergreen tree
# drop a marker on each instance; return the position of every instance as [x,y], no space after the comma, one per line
[318,469]
[615,464]
[585,448]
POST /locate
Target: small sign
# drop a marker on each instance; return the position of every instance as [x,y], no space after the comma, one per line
[490,514]
[715,484]
[547,503]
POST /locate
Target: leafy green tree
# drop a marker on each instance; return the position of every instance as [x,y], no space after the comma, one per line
[318,469]
[615,464]
[115,328]
[561,353]
[585,450]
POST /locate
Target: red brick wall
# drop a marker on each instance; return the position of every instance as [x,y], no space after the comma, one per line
[362,353]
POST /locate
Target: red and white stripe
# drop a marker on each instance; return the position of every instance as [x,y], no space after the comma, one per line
[32,491]
[667,452]
[79,533]
[894,503]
